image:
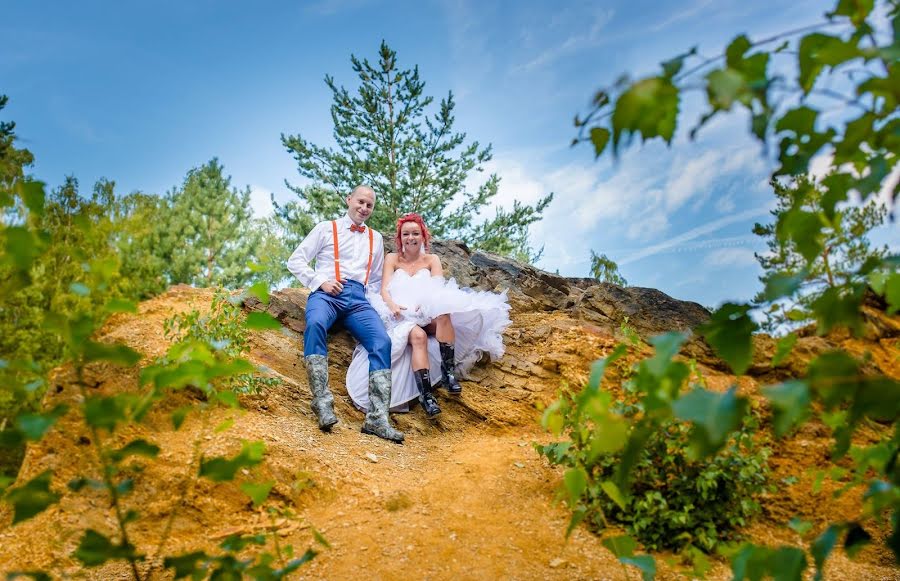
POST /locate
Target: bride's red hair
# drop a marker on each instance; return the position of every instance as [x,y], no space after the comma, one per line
[415,218]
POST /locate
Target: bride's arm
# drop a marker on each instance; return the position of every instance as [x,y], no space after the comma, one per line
[436,268]
[390,265]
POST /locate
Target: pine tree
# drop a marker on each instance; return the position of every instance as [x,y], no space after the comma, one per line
[138,237]
[13,160]
[605,269]
[845,248]
[210,237]
[386,138]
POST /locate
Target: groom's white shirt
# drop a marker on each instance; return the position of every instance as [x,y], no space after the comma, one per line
[354,255]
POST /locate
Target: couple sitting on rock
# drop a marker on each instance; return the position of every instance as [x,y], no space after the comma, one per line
[415,329]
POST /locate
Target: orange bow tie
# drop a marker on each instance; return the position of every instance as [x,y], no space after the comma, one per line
[355,228]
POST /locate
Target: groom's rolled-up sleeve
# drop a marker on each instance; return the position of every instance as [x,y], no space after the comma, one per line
[299,261]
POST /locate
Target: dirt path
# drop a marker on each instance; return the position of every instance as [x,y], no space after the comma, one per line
[474,506]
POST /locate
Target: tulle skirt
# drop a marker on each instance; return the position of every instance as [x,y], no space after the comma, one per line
[478,318]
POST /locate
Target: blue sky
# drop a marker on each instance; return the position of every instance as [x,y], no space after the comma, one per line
[142,92]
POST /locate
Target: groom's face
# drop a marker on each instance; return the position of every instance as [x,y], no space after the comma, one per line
[360,204]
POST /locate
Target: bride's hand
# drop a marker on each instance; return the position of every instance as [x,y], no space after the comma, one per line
[395,309]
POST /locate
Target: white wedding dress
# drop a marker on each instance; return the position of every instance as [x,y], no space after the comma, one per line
[478,317]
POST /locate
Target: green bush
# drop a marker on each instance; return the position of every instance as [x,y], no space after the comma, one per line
[678,497]
[224,328]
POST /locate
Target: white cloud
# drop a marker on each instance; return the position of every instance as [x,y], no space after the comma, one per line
[261,202]
[730,257]
[691,178]
[574,43]
[694,178]
[725,204]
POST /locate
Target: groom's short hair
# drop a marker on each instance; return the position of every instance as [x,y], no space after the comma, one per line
[363,188]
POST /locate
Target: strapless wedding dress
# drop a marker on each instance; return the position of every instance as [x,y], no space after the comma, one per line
[478,317]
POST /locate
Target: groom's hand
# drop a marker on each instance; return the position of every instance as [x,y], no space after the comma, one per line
[333,287]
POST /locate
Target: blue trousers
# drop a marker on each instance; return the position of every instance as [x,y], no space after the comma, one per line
[353,309]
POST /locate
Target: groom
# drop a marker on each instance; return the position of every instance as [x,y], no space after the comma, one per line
[349,258]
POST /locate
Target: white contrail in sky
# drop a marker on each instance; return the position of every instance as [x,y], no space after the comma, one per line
[692,234]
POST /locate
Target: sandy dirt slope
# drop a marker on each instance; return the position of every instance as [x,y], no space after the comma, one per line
[466,497]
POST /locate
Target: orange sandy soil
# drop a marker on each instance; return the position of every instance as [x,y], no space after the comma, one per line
[466,497]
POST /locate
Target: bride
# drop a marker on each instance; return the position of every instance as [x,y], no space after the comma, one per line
[436,328]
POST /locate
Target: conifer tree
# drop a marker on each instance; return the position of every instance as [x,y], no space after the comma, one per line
[845,247]
[388,138]
[605,269]
[210,236]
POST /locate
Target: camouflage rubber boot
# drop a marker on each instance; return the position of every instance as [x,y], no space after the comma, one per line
[448,367]
[322,401]
[377,422]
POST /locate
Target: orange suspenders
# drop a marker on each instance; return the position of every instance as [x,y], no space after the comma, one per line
[371,245]
[337,261]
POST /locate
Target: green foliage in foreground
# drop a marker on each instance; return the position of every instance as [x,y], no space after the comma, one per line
[677,500]
[225,327]
[849,52]
[108,419]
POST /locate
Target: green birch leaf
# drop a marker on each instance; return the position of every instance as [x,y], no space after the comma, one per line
[139,447]
[613,492]
[600,138]
[114,353]
[95,549]
[575,481]
[787,564]
[179,415]
[790,404]
[783,348]
[187,565]
[221,469]
[649,107]
[822,547]
[729,332]
[577,516]
[856,10]
[723,86]
[320,539]
[31,498]
[645,563]
[817,51]
[621,546]
[716,414]
[260,290]
[259,321]
[839,307]
[104,412]
[257,491]
[34,426]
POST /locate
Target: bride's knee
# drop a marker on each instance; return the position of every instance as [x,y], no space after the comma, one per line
[418,337]
[443,320]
